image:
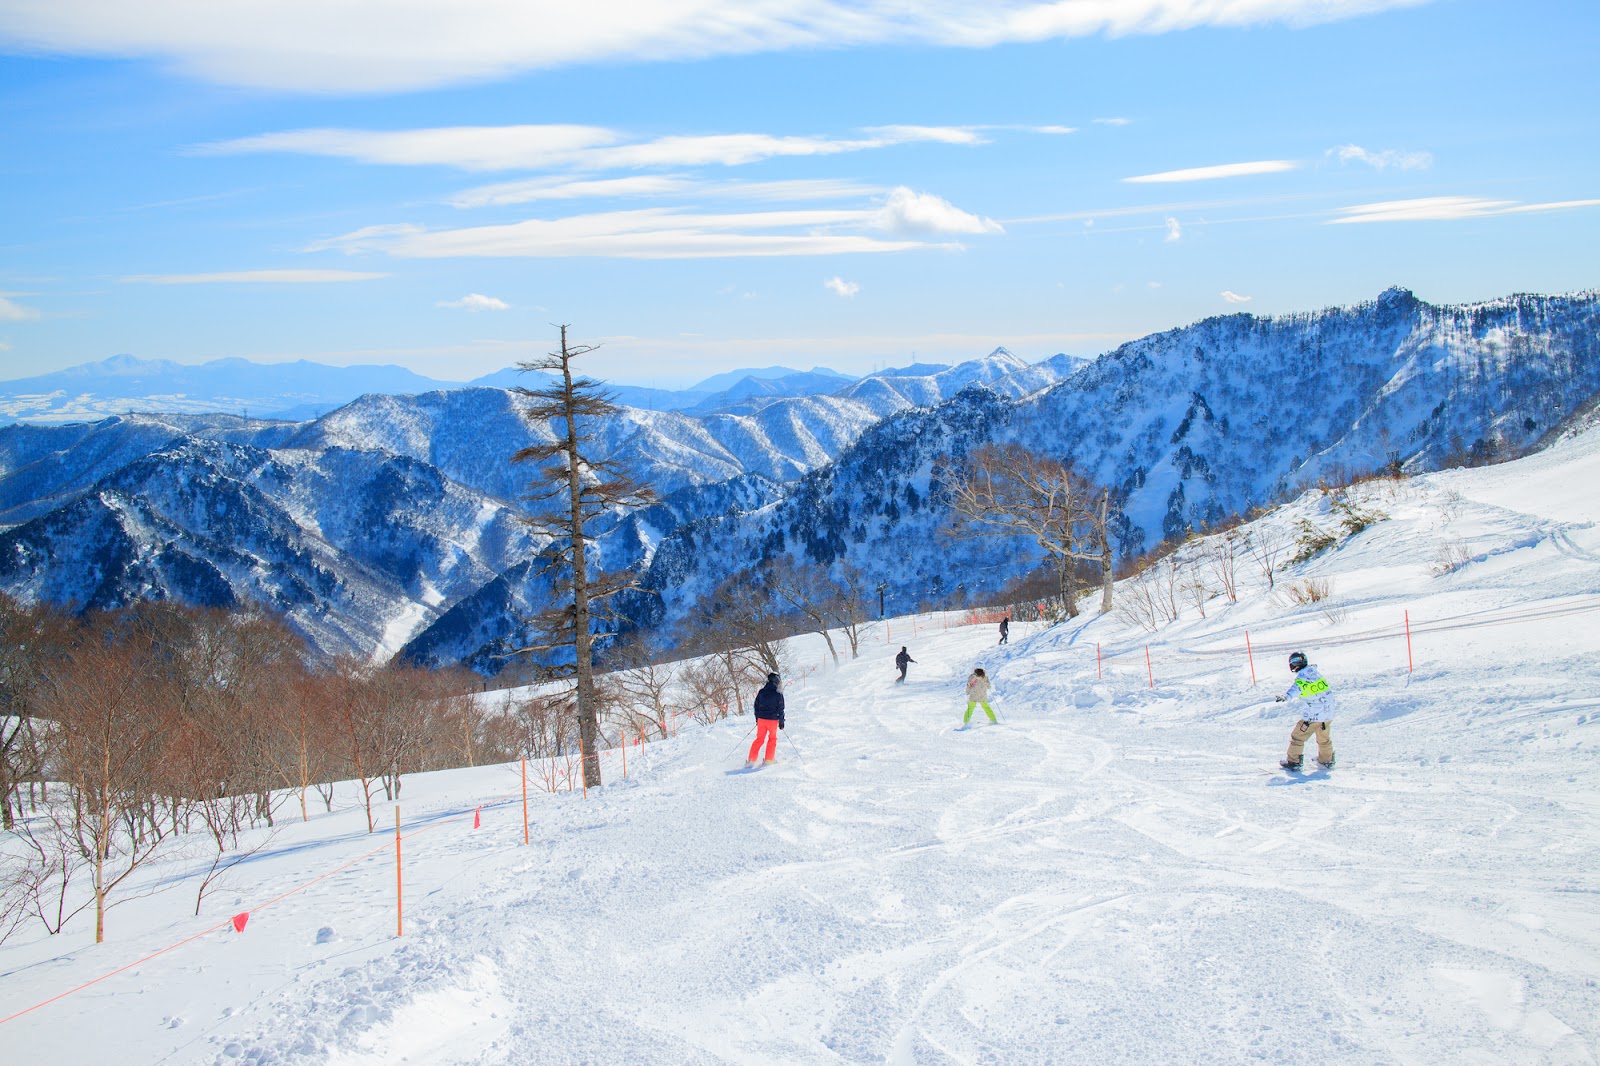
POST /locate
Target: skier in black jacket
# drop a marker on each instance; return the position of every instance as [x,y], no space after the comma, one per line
[769,719]
[902,661]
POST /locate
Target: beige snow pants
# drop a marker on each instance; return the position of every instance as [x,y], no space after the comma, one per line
[1302,732]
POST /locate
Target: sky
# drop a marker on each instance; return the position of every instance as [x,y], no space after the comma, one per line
[700,185]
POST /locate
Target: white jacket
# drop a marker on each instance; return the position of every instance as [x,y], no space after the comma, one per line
[978,688]
[1312,687]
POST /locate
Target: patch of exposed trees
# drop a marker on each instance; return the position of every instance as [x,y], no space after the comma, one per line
[1005,490]
[122,732]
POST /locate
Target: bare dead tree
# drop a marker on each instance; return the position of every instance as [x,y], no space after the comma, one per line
[111,718]
[646,682]
[572,488]
[1008,491]
[33,640]
[744,623]
[850,603]
[807,592]
[1267,545]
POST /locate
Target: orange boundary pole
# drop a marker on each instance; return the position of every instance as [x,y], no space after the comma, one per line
[1147,667]
[399,894]
[1252,656]
[1410,667]
[524,799]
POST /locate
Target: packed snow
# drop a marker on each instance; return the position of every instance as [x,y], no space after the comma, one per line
[1118,872]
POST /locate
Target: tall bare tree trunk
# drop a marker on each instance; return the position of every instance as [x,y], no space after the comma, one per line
[1106,566]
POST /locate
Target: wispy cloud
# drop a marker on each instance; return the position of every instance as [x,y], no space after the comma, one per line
[254,277]
[841,287]
[1235,298]
[1174,230]
[663,186]
[487,148]
[1112,121]
[351,46]
[1389,157]
[11,311]
[645,234]
[917,219]
[474,301]
[1224,170]
[1447,208]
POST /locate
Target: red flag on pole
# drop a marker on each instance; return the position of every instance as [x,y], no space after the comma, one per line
[477,818]
[239,920]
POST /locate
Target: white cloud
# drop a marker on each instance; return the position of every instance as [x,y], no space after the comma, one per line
[1174,230]
[474,301]
[541,189]
[370,46]
[1383,160]
[11,311]
[653,233]
[254,277]
[1235,298]
[1225,170]
[1054,129]
[1447,209]
[1112,121]
[922,214]
[486,148]
[841,287]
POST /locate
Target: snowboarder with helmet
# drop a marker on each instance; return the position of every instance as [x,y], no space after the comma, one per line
[769,719]
[1311,686]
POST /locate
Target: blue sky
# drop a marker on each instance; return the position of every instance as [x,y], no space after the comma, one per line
[705,184]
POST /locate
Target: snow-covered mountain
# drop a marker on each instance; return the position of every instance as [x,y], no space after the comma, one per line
[223,510]
[1191,426]
[1116,873]
[393,521]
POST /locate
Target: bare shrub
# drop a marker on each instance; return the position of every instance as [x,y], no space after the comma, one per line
[1450,556]
[1307,590]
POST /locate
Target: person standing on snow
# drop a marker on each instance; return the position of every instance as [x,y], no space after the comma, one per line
[1005,629]
[903,660]
[1312,687]
[978,693]
[769,719]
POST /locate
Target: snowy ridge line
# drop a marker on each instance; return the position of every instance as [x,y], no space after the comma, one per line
[1447,624]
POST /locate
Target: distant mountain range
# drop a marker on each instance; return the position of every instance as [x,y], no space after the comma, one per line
[365,525]
[392,524]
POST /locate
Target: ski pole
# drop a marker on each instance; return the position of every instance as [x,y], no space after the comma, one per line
[792,746]
[742,739]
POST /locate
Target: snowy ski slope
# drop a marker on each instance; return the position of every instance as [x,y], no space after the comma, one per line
[1117,873]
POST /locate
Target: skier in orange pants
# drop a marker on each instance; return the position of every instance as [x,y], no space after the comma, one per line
[769,719]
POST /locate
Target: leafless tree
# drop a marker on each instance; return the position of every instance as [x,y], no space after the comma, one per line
[1008,491]
[32,640]
[572,488]
[111,718]
[1222,556]
[743,622]
[1267,544]
[807,592]
[849,603]
[647,682]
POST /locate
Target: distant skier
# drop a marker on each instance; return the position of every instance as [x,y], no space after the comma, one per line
[903,660]
[1005,629]
[1312,687]
[769,719]
[978,693]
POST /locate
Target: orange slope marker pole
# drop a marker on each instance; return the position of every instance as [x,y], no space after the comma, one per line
[525,799]
[1252,657]
[399,894]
